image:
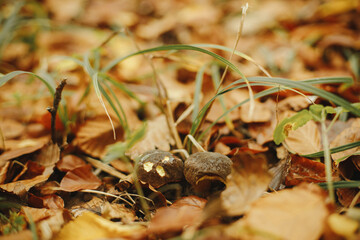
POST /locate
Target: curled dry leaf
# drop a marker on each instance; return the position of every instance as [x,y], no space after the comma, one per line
[298,213]
[349,135]
[169,221]
[49,201]
[304,170]
[91,226]
[346,196]
[49,155]
[248,180]
[304,140]
[11,128]
[78,179]
[19,152]
[22,186]
[95,135]
[70,162]
[157,136]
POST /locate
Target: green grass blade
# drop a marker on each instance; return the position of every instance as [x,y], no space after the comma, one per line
[197,93]
[122,87]
[329,80]
[243,55]
[257,95]
[175,47]
[334,150]
[5,78]
[308,88]
[122,117]
[342,184]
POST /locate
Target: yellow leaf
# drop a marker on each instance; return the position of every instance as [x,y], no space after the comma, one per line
[91,226]
[292,214]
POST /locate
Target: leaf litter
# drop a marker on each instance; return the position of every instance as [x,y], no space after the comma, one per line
[81,183]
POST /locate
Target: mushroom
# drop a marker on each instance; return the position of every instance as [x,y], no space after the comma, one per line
[207,172]
[158,168]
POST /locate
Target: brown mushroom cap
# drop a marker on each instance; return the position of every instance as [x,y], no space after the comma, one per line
[158,168]
[206,166]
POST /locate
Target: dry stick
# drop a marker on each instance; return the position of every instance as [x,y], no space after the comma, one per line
[53,110]
[225,71]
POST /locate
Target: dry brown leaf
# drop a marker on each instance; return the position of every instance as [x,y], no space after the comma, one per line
[262,112]
[22,186]
[304,170]
[305,140]
[95,135]
[346,196]
[11,128]
[19,152]
[48,221]
[117,211]
[49,201]
[78,179]
[248,180]
[349,135]
[23,235]
[90,226]
[169,221]
[69,162]
[39,214]
[295,103]
[49,155]
[298,213]
[157,136]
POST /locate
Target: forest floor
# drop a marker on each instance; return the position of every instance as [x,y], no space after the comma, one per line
[179,119]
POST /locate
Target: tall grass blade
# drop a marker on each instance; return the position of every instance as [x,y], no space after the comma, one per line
[197,93]
[5,78]
[334,150]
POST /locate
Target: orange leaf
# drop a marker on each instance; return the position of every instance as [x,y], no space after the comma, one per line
[70,162]
[79,179]
[298,213]
[95,135]
[304,170]
[168,221]
[50,201]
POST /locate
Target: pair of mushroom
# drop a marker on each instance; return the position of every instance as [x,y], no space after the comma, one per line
[205,171]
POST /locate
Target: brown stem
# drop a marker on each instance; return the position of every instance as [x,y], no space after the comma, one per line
[53,110]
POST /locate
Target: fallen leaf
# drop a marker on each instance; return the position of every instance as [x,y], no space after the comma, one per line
[22,186]
[95,135]
[304,170]
[298,213]
[11,128]
[248,180]
[23,235]
[117,212]
[342,225]
[346,196]
[19,152]
[49,201]
[70,162]
[305,140]
[169,221]
[78,179]
[157,136]
[90,226]
[48,156]
[349,135]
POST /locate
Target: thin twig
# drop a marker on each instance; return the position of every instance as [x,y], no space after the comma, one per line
[53,110]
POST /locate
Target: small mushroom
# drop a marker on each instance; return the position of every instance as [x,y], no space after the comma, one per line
[158,168]
[207,172]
